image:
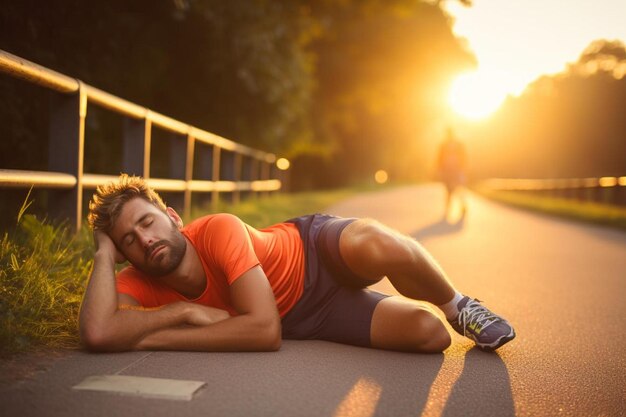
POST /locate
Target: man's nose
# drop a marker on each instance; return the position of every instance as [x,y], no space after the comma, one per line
[146,241]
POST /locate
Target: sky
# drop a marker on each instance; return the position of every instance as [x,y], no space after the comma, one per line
[517,41]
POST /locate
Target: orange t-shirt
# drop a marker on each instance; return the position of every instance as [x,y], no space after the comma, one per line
[227,248]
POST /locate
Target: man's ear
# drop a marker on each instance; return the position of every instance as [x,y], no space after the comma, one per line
[175,217]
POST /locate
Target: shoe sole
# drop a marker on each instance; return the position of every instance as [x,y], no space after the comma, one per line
[498,343]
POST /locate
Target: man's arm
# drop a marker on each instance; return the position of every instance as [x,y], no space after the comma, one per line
[104,327]
[256,328]
[197,314]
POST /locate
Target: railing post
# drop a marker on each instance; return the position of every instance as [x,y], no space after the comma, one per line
[177,167]
[215,177]
[237,177]
[191,141]
[265,174]
[282,174]
[204,169]
[66,152]
[137,142]
[254,173]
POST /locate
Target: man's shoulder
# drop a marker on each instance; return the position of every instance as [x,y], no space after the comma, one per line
[213,222]
[209,232]
[211,219]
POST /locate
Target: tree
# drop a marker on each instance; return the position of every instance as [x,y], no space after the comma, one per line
[567,125]
[602,56]
[357,80]
[382,71]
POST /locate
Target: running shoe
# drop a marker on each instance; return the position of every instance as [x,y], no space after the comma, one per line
[483,326]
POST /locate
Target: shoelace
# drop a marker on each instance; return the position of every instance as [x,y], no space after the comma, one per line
[473,312]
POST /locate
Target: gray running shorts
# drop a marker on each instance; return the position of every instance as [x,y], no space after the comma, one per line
[335,304]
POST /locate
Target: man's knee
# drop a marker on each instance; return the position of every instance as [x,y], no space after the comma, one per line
[431,334]
[398,324]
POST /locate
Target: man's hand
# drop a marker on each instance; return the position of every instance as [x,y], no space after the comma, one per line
[104,244]
[199,315]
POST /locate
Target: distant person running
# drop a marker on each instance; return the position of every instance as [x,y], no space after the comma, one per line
[452,165]
[218,284]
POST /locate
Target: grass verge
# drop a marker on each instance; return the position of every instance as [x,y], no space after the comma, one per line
[590,212]
[44,269]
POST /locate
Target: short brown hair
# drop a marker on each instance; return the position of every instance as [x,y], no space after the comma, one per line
[107,202]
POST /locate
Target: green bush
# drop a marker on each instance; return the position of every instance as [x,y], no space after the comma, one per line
[43,271]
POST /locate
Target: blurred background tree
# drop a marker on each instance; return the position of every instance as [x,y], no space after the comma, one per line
[570,124]
[236,68]
[383,68]
[342,87]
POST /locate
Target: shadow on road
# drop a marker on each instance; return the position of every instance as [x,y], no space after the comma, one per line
[441,227]
[404,380]
[483,389]
[305,378]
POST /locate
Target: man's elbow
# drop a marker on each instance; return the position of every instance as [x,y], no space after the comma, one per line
[271,335]
[94,339]
[276,341]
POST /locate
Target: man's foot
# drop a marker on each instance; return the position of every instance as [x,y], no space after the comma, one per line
[484,327]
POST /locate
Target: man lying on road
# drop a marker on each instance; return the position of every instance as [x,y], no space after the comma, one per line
[218,284]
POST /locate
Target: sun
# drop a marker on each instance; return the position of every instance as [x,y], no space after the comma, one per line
[475,96]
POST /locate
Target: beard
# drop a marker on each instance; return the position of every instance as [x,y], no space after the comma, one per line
[170,257]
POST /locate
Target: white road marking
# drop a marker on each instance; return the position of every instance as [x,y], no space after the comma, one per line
[171,389]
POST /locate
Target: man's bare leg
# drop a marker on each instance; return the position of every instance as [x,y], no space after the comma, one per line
[372,250]
[398,324]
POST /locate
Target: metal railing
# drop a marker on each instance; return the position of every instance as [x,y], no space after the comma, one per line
[68,110]
[610,190]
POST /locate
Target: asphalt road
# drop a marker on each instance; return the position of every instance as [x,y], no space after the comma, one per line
[560,283]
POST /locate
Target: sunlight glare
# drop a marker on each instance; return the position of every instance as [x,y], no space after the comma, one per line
[361,400]
[475,96]
[524,39]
